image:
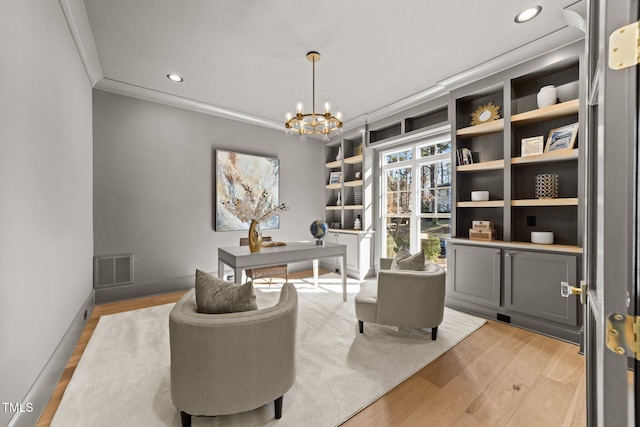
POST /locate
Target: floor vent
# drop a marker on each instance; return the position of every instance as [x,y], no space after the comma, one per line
[504,318]
[113,270]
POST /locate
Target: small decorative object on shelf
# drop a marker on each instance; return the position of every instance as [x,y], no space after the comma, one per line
[357,197]
[479,196]
[359,150]
[319,229]
[358,175]
[339,155]
[485,113]
[339,200]
[547,186]
[542,237]
[532,146]
[562,138]
[464,156]
[357,224]
[547,96]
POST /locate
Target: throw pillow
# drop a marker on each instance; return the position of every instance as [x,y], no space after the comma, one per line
[215,296]
[414,262]
[403,253]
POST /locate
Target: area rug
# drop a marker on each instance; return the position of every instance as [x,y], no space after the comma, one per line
[122,378]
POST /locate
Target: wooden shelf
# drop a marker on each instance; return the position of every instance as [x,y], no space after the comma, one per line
[554,156]
[334,186]
[353,160]
[483,166]
[352,207]
[354,183]
[484,204]
[518,245]
[481,129]
[334,164]
[333,208]
[547,113]
[567,201]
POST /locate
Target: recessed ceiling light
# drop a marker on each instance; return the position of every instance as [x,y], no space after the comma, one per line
[528,14]
[174,78]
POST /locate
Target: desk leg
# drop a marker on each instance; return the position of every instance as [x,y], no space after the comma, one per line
[343,269]
[315,272]
[220,269]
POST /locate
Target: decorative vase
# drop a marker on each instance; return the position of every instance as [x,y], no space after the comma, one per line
[357,224]
[547,186]
[255,236]
[547,96]
[339,201]
[339,155]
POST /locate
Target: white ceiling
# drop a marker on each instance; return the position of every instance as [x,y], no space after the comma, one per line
[249,56]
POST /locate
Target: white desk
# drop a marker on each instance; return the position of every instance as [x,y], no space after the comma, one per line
[240,258]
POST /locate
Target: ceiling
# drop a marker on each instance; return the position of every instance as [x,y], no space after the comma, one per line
[247,59]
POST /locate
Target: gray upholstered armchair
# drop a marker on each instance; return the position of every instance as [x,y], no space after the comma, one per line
[411,299]
[233,362]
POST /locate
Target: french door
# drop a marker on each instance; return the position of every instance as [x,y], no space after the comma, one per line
[611,241]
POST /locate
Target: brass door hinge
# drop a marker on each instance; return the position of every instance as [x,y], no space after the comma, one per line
[624,45]
[622,335]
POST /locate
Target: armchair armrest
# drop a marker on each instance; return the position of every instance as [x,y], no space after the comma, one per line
[385,263]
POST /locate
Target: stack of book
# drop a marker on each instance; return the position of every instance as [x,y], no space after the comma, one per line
[482,230]
[464,156]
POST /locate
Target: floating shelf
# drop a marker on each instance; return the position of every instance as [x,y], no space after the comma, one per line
[567,201]
[334,164]
[484,204]
[355,183]
[547,113]
[353,160]
[483,166]
[554,156]
[481,129]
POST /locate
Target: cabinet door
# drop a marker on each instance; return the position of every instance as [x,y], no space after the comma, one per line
[532,285]
[474,274]
[351,240]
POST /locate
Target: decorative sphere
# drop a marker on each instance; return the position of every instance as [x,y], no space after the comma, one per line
[319,228]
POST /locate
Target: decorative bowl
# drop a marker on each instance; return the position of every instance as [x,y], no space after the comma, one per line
[479,196]
[542,237]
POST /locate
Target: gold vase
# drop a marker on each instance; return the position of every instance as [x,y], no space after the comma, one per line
[255,236]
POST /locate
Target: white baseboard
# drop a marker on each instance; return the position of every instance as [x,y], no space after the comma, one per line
[41,391]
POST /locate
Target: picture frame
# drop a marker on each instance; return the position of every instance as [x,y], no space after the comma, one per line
[335,177]
[234,170]
[562,138]
[532,146]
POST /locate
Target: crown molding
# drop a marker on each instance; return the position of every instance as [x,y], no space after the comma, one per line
[76,16]
[121,88]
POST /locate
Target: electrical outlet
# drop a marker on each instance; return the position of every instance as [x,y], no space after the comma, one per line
[531,221]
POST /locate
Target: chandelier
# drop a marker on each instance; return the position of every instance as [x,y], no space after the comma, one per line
[313,123]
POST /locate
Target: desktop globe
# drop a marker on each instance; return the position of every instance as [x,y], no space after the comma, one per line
[319,229]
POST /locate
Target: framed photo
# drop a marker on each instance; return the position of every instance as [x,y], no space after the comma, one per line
[532,146]
[235,170]
[562,138]
[335,177]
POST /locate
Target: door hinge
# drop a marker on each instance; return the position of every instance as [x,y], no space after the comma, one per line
[624,45]
[622,335]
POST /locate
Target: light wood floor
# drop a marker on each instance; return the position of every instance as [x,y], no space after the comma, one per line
[498,376]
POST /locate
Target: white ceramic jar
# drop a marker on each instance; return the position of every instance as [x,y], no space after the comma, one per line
[547,96]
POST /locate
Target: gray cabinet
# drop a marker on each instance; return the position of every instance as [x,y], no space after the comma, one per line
[474,274]
[532,285]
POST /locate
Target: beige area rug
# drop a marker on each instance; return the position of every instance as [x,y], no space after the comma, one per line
[123,376]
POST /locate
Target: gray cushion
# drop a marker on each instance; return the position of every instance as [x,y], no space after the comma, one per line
[403,253]
[413,262]
[214,296]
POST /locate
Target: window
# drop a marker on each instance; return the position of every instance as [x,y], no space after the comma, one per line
[416,196]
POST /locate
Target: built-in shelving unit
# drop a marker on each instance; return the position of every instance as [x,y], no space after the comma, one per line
[510,276]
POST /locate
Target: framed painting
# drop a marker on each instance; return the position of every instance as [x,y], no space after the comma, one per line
[234,171]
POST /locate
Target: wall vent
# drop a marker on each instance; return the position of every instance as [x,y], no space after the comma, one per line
[113,270]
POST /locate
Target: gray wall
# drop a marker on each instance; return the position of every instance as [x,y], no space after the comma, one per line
[153,186]
[45,191]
